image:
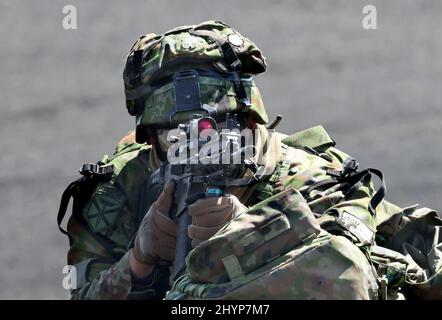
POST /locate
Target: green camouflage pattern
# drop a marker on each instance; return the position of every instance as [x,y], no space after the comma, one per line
[323,267]
[171,51]
[268,230]
[102,234]
[286,252]
[112,283]
[217,93]
[289,245]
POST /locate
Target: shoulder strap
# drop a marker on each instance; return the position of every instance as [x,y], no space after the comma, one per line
[81,190]
[65,199]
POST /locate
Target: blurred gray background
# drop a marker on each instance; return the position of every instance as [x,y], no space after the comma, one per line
[377,92]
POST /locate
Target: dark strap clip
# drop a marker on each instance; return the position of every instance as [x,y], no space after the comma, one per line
[231,57]
[93,169]
[350,168]
[334,173]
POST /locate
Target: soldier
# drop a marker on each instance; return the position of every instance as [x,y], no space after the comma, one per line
[119,247]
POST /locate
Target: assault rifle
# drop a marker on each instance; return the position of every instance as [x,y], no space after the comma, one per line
[207,169]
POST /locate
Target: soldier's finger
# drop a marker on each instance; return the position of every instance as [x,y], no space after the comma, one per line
[196,242]
[202,206]
[164,224]
[167,253]
[166,240]
[214,218]
[165,200]
[202,233]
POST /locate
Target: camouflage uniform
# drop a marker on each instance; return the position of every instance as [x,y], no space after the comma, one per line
[350,212]
[101,241]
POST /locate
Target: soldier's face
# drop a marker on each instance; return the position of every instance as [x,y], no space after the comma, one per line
[162,141]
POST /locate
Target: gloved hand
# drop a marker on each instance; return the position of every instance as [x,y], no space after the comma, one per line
[156,236]
[210,214]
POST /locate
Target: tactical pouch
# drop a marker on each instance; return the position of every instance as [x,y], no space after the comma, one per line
[276,250]
[256,237]
[417,235]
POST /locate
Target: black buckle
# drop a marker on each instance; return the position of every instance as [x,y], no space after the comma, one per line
[350,167]
[241,91]
[93,169]
[231,57]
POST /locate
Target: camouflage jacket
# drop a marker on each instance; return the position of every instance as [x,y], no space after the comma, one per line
[102,229]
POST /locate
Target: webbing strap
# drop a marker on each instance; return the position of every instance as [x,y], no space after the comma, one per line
[356,179]
[233,267]
[92,173]
[65,199]
[380,193]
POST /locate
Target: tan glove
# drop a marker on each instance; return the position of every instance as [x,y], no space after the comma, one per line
[156,237]
[209,215]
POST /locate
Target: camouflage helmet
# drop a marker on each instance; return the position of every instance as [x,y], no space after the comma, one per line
[205,69]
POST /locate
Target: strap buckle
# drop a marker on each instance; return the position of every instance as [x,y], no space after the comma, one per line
[231,57]
[350,167]
[93,169]
[259,174]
